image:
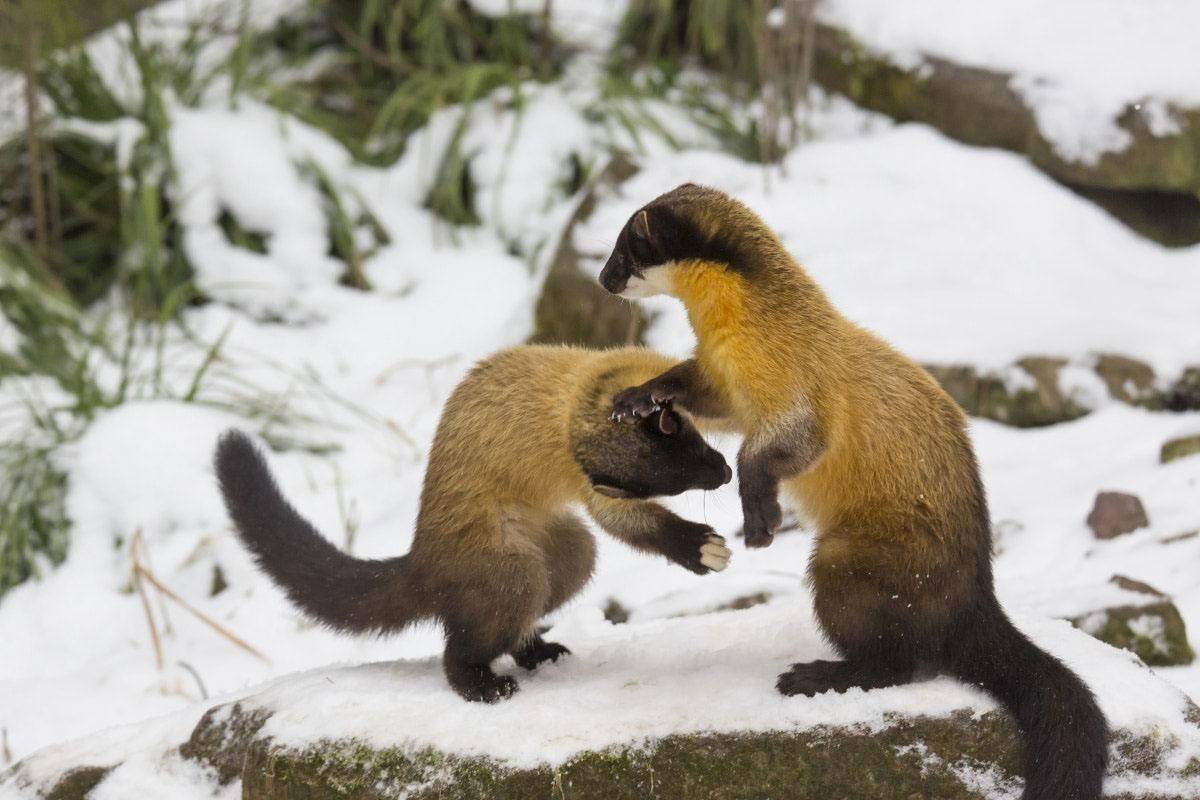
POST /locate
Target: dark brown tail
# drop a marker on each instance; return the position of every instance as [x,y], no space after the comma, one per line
[1066,735]
[346,593]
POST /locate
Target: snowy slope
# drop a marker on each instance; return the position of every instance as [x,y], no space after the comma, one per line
[954,254]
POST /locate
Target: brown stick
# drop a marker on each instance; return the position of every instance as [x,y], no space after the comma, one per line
[141,590]
[207,620]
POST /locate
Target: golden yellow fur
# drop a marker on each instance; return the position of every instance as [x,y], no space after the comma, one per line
[877,454]
[505,440]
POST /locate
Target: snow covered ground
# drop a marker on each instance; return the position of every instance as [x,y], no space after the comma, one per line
[955,254]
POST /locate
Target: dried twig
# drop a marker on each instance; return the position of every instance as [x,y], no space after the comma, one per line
[200,615]
[5,751]
[427,364]
[140,571]
[141,590]
[145,560]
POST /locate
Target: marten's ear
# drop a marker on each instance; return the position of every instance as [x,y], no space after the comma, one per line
[641,225]
[611,491]
[668,421]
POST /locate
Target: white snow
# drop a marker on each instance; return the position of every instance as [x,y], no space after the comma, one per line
[500,8]
[1077,63]
[954,254]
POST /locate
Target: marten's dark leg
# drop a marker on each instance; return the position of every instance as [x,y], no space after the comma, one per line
[787,448]
[492,607]
[683,384]
[468,665]
[649,527]
[570,553]
[887,621]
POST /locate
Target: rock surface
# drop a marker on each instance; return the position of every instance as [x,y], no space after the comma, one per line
[1116,514]
[621,720]
[573,308]
[979,106]
[1153,628]
[1180,448]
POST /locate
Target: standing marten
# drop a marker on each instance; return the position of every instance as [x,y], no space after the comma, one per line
[876,453]
[496,545]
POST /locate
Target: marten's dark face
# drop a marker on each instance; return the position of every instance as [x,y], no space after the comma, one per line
[638,266]
[655,238]
[660,455]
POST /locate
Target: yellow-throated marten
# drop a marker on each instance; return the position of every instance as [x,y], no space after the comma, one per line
[524,435]
[877,454]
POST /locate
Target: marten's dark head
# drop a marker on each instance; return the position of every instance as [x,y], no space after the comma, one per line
[660,455]
[687,224]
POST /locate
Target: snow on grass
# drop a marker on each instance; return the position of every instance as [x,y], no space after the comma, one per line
[1077,63]
[951,253]
[245,162]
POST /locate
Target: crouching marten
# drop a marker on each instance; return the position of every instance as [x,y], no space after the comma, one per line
[496,544]
[879,457]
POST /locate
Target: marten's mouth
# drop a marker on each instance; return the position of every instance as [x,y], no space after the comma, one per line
[718,480]
[607,486]
[613,285]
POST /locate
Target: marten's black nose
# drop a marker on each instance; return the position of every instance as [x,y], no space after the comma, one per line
[728,475]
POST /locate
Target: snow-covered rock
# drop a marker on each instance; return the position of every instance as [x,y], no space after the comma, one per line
[1102,93]
[682,707]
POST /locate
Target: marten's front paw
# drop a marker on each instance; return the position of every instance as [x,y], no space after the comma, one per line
[762,516]
[632,404]
[639,402]
[700,550]
[714,554]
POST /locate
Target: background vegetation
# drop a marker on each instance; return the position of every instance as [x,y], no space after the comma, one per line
[94,274]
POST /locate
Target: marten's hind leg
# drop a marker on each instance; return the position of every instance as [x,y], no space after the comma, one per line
[570,552]
[493,605]
[874,627]
[814,677]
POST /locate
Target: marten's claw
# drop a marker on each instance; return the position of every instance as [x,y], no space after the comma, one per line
[633,404]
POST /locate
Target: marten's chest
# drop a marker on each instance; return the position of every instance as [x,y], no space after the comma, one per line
[739,351]
[754,385]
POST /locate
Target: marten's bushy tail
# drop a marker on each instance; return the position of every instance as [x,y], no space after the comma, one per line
[344,592]
[1066,748]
